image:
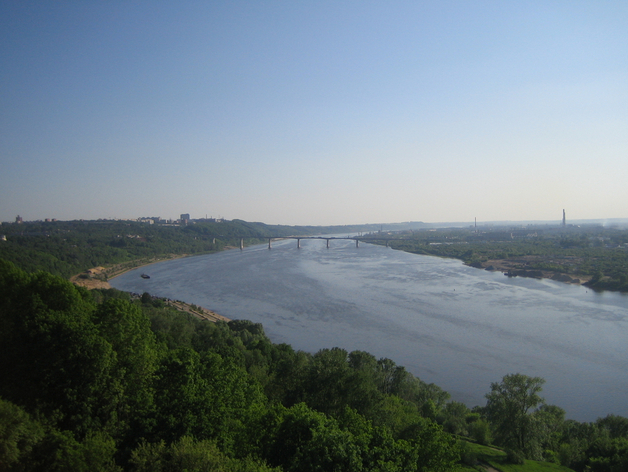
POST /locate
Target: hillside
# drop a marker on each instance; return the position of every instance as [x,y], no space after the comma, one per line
[99,381]
[67,248]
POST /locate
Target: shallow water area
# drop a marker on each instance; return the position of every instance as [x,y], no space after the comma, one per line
[458,327]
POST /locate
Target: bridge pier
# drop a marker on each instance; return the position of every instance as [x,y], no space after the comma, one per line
[327,240]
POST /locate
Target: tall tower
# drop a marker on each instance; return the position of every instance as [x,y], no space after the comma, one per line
[564,221]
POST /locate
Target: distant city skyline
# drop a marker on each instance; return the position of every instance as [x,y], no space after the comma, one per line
[314,113]
[620,222]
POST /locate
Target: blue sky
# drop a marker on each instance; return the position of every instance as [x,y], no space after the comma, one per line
[321,112]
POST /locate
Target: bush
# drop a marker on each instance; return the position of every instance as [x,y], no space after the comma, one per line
[480,431]
[513,456]
[551,456]
[158,303]
[467,455]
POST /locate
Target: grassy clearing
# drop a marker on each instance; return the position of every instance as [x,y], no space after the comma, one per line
[496,459]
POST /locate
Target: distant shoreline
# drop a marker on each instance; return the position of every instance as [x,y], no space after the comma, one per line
[509,269]
[99,277]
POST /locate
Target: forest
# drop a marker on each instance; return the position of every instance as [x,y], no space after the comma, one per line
[100,381]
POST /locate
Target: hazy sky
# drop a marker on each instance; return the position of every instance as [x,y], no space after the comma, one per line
[321,112]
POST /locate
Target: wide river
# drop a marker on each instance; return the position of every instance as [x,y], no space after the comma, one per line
[458,327]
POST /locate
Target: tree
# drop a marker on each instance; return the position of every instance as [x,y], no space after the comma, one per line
[53,359]
[96,452]
[327,383]
[617,426]
[549,422]
[203,396]
[18,434]
[432,450]
[508,407]
[608,455]
[453,418]
[146,298]
[301,439]
[127,329]
[480,431]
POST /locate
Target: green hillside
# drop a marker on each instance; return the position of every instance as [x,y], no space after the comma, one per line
[479,458]
[96,380]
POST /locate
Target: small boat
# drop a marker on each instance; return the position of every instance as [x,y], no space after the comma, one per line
[144,276]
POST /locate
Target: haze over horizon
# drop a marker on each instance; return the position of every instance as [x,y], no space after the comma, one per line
[314,113]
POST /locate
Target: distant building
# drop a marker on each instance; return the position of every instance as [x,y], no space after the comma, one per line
[210,220]
[18,220]
[3,237]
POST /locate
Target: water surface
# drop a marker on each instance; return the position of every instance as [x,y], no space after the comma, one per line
[458,327]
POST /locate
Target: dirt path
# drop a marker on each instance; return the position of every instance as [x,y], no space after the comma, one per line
[487,467]
[198,311]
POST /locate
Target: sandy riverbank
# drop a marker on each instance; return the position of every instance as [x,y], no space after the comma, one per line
[197,311]
[517,269]
[98,278]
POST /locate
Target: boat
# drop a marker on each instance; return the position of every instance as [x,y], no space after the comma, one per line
[144,276]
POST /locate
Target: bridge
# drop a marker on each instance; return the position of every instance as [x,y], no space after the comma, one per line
[357,240]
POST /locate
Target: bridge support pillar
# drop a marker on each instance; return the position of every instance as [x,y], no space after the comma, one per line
[328,244]
[241,243]
[357,243]
[387,243]
[269,245]
[298,243]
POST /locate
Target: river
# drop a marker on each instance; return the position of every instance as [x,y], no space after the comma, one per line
[458,327]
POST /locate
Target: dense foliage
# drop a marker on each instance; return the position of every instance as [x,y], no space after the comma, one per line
[98,381]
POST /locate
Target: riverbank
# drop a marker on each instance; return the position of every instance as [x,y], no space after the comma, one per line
[516,268]
[558,267]
[98,278]
[402,307]
[197,311]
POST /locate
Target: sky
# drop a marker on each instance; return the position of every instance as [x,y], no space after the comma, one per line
[314,112]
